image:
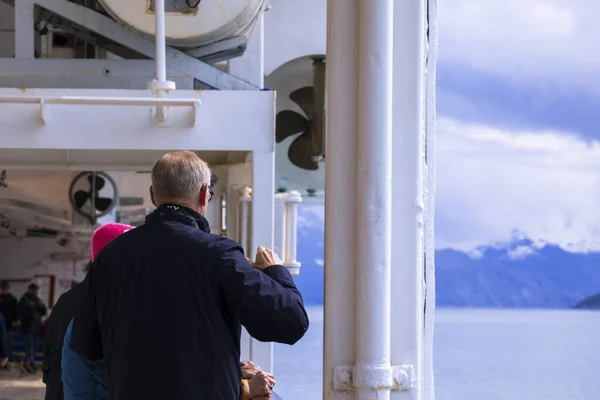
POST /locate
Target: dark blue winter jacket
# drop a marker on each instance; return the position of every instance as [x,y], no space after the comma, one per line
[163,305]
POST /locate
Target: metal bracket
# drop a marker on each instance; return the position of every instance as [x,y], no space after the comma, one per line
[177,6]
[352,378]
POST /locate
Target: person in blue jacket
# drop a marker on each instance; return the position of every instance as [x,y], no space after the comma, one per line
[83,379]
[165,302]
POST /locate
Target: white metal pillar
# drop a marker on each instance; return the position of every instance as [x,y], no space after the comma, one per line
[431,50]
[340,196]
[24,29]
[263,218]
[374,345]
[408,193]
[250,67]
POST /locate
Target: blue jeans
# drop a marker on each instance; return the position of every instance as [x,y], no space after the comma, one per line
[31,342]
[82,379]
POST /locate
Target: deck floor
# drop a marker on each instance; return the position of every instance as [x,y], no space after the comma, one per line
[15,387]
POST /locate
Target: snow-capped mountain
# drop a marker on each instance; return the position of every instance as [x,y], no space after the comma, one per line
[521,274]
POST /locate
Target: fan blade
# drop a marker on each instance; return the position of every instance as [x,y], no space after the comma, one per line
[304,97]
[99,182]
[80,197]
[300,153]
[289,123]
[102,203]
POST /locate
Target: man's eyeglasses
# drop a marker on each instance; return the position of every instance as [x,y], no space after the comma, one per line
[211,193]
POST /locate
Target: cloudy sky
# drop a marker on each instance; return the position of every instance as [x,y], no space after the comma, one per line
[518,110]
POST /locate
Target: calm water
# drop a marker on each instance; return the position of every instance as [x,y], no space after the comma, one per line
[480,355]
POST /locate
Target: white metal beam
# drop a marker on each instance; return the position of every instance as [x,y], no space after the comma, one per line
[83,74]
[224,121]
[110,29]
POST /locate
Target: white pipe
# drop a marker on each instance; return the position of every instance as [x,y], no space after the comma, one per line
[374,211]
[340,198]
[160,41]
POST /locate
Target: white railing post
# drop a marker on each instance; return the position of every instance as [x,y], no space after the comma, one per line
[245,199]
[290,222]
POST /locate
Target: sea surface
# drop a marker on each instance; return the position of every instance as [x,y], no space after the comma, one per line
[480,355]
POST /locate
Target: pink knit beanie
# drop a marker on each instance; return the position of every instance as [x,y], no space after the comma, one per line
[106,234]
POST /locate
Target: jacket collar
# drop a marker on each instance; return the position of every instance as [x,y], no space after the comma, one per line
[174,212]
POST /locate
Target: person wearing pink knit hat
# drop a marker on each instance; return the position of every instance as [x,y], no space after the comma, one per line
[66,374]
[106,234]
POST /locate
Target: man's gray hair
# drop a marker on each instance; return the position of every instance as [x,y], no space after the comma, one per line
[179,175]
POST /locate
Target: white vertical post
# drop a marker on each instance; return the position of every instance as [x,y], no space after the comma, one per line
[24,29]
[373,373]
[291,227]
[407,192]
[281,225]
[340,194]
[160,86]
[244,216]
[431,48]
[160,41]
[263,190]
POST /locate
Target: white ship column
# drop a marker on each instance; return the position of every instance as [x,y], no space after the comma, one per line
[374,342]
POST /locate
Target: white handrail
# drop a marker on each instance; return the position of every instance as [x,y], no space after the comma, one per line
[97,100]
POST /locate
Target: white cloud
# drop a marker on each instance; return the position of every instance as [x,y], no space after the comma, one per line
[553,42]
[492,182]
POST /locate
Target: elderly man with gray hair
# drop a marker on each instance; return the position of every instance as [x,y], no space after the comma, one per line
[164,303]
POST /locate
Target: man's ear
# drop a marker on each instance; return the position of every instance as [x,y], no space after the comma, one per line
[152,197]
[204,196]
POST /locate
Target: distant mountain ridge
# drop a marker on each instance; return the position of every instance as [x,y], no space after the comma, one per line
[521,274]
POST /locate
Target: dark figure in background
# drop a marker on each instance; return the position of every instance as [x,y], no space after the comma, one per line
[3,344]
[9,307]
[56,327]
[164,303]
[31,310]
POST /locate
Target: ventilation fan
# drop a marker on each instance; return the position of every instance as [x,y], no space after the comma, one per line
[89,203]
[308,148]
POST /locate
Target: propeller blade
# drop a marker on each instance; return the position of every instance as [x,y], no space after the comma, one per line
[99,182]
[289,123]
[80,197]
[102,203]
[305,99]
[300,153]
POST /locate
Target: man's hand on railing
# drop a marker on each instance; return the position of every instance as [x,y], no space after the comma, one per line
[261,384]
[264,258]
[249,369]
